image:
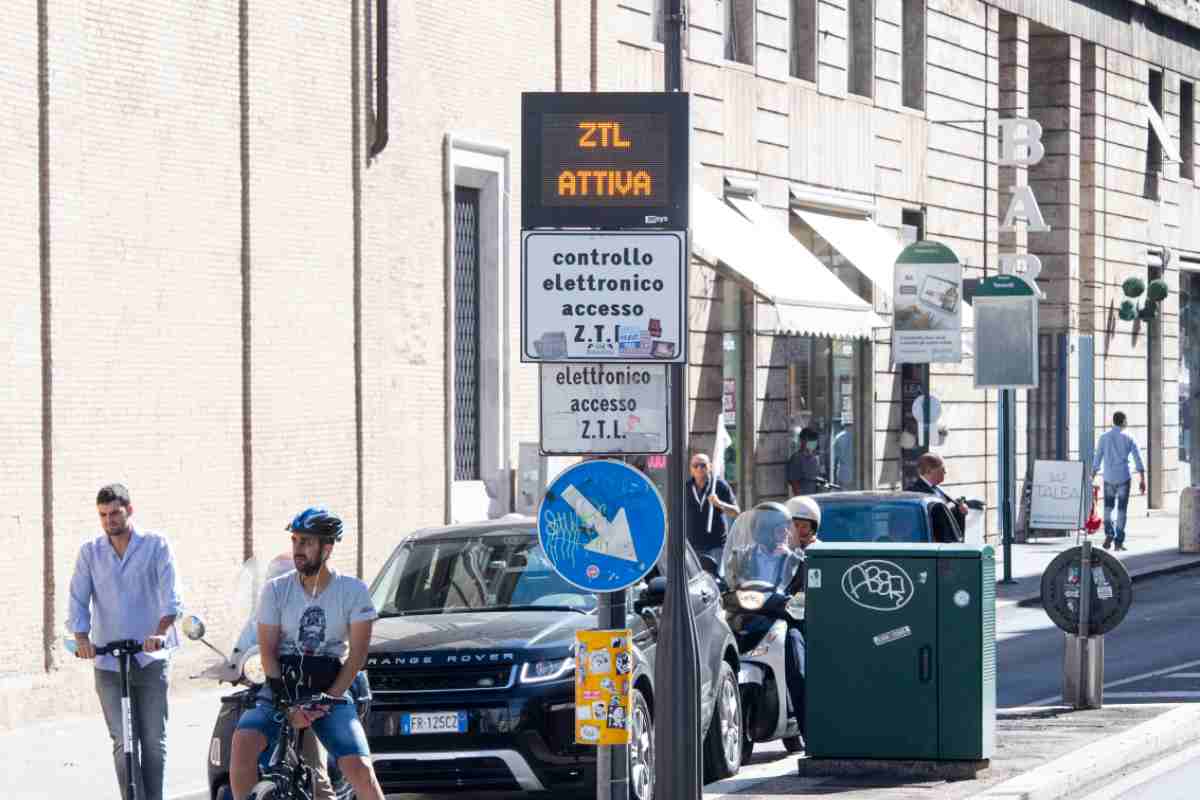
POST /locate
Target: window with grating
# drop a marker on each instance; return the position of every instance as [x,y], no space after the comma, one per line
[466,334]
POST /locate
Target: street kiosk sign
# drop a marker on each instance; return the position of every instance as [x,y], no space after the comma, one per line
[604,408]
[603,295]
[604,160]
[602,525]
[1006,334]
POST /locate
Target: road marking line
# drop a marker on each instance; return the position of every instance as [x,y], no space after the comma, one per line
[1185,675]
[1045,701]
[1129,782]
[1140,695]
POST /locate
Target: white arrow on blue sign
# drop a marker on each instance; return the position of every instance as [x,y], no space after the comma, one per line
[602,525]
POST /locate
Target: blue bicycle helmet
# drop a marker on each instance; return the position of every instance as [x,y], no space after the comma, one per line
[317,521]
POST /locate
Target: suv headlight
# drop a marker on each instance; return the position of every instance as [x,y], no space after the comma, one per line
[550,670]
[252,668]
[751,601]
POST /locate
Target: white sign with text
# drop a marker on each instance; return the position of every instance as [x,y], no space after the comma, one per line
[603,296]
[604,408]
[1060,489]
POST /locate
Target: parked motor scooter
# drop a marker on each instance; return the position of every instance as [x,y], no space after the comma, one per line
[760,576]
[243,667]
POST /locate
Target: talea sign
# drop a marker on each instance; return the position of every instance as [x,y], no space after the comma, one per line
[599,296]
[1059,492]
[604,408]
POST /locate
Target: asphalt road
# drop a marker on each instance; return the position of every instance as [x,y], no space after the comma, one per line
[1154,637]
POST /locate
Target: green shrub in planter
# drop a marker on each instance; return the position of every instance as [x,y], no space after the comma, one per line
[1157,290]
[1133,286]
[1127,312]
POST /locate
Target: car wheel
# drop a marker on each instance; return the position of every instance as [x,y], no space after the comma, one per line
[641,749]
[793,744]
[263,790]
[723,742]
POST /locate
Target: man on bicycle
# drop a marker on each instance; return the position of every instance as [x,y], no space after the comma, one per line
[314,627]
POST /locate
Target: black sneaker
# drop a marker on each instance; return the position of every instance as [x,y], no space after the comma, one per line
[1122,547]
[1107,542]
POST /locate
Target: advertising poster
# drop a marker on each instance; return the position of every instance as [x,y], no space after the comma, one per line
[1006,334]
[927,319]
[603,678]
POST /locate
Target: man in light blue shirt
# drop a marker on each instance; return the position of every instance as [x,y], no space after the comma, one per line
[1113,450]
[124,587]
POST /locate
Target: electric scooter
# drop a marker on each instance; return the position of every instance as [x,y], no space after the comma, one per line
[123,650]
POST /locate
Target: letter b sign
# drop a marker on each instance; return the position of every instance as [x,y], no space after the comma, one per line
[1020,142]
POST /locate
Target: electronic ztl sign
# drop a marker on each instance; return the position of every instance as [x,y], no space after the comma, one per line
[607,160]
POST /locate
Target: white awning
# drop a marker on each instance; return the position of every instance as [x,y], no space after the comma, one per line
[1169,153]
[761,254]
[870,248]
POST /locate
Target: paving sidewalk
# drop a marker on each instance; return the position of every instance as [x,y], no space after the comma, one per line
[1041,754]
[1153,549]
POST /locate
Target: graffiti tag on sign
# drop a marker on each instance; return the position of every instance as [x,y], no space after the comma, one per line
[877,585]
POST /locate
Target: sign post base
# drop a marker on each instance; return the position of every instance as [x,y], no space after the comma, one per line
[1083,672]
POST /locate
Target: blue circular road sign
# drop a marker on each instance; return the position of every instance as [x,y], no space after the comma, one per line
[602,525]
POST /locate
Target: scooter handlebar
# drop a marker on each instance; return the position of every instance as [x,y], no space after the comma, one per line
[118,647]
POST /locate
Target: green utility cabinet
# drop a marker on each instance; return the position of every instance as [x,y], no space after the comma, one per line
[901,651]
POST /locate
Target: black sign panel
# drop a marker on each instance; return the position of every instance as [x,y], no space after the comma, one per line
[1062,584]
[607,160]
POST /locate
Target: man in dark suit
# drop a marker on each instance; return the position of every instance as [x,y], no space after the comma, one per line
[931,472]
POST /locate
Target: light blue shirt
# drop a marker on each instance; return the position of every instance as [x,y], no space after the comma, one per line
[124,598]
[1114,449]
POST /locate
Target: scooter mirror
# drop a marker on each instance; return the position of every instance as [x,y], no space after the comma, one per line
[193,627]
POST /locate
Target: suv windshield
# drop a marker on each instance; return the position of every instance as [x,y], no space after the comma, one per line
[873,522]
[497,571]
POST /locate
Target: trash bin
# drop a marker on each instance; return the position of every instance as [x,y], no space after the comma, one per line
[1189,520]
[901,651]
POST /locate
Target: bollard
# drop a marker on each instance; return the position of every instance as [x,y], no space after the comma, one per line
[1189,520]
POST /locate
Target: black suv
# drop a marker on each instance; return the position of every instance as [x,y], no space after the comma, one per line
[472,673]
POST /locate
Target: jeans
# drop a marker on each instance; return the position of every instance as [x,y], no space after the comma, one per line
[1116,494]
[148,697]
[340,731]
[793,660]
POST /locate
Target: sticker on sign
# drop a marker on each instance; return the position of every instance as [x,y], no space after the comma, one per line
[603,296]
[604,408]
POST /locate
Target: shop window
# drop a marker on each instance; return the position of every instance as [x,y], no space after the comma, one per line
[804,39]
[912,226]
[739,31]
[1189,375]
[861,43]
[823,399]
[1187,130]
[913,53]
[732,404]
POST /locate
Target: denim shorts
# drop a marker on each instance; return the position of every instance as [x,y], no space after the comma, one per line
[340,730]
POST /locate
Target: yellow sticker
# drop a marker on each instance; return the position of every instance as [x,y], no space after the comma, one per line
[603,667]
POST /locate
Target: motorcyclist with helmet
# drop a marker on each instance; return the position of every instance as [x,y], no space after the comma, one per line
[780,533]
[314,628]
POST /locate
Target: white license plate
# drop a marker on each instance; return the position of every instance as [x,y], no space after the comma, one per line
[433,722]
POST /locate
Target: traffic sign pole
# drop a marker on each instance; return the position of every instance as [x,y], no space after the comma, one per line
[677,661]
[612,761]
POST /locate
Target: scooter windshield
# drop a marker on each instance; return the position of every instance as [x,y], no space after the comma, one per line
[757,549]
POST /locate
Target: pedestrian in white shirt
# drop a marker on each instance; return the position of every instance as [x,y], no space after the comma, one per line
[1113,450]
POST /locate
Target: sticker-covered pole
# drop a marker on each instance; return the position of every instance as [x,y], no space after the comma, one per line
[677,662]
[612,761]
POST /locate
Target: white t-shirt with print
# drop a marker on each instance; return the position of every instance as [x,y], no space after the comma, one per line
[315,626]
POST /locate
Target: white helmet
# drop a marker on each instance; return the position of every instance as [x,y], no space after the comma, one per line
[804,507]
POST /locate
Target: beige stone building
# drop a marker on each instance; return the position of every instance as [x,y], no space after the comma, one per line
[217,294]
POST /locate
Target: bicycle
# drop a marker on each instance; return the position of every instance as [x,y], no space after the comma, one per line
[286,776]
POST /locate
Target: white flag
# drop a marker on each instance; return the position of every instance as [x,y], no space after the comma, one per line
[723,441]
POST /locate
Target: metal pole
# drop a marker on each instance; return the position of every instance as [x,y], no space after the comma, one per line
[677,662]
[612,761]
[1007,476]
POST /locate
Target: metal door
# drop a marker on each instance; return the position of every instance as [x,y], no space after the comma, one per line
[872,657]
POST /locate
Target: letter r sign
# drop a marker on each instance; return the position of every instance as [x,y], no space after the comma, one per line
[1020,142]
